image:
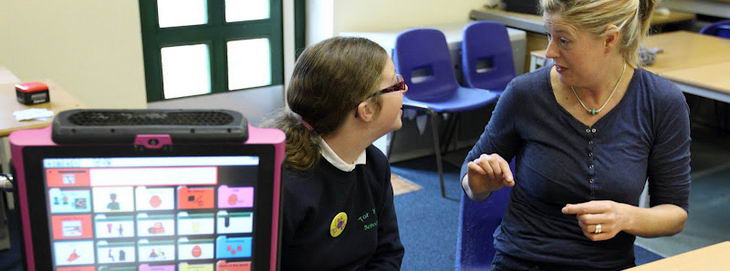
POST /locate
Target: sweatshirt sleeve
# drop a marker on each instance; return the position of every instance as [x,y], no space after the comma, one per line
[390,251]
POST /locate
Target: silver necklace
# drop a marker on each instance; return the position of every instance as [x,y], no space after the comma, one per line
[594,111]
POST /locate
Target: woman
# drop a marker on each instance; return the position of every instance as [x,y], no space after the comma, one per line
[586,135]
[338,203]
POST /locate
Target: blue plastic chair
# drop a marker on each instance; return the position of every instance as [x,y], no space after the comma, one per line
[719,29]
[486,56]
[477,222]
[422,57]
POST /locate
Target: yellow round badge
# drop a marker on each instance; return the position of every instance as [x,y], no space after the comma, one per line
[338,224]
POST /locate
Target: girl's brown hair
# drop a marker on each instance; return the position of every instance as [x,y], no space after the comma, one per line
[330,79]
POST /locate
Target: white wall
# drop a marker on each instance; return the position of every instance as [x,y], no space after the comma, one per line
[327,18]
[91,48]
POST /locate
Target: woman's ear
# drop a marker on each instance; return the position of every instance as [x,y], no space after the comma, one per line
[365,111]
[611,38]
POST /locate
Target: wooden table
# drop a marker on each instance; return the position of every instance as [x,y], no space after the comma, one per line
[710,81]
[534,23]
[535,27]
[60,101]
[683,49]
[714,257]
[698,64]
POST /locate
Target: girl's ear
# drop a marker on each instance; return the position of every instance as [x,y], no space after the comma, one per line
[365,111]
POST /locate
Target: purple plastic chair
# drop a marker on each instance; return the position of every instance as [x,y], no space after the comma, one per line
[422,57]
[718,29]
[477,222]
[486,56]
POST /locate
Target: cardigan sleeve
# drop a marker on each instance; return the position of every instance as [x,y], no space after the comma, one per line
[500,134]
[669,160]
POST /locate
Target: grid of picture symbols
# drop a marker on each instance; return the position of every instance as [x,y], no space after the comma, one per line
[140,219]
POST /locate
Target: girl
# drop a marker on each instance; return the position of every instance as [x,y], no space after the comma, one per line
[338,202]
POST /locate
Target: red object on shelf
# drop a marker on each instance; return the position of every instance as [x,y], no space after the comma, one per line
[30,93]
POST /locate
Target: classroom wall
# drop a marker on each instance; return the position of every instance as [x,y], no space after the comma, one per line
[327,18]
[91,48]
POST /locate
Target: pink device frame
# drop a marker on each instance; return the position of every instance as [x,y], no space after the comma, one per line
[42,137]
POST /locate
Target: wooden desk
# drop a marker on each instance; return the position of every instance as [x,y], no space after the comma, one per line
[534,23]
[60,101]
[684,49]
[697,63]
[709,81]
[714,257]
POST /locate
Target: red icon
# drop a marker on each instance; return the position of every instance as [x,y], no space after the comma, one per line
[155,201]
[196,252]
[156,228]
[74,256]
[232,251]
[232,199]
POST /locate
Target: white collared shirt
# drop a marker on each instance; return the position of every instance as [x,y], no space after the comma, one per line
[336,161]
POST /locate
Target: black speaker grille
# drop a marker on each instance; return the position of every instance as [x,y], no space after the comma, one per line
[100,118]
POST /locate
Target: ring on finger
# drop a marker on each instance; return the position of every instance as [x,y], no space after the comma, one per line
[598,229]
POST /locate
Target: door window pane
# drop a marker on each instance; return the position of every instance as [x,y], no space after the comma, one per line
[249,63]
[246,10]
[173,13]
[185,70]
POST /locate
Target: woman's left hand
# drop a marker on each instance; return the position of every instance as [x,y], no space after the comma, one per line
[599,219]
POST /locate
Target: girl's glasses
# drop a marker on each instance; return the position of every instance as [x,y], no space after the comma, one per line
[398,86]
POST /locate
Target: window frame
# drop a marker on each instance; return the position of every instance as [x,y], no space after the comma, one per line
[215,34]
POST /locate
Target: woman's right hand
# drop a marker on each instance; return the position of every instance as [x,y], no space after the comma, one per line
[489,173]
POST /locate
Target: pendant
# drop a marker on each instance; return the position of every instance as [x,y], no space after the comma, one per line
[593,111]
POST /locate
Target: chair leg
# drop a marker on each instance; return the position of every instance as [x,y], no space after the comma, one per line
[451,133]
[437,149]
[457,124]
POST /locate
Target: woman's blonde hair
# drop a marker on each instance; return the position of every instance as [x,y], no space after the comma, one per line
[632,17]
[330,79]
